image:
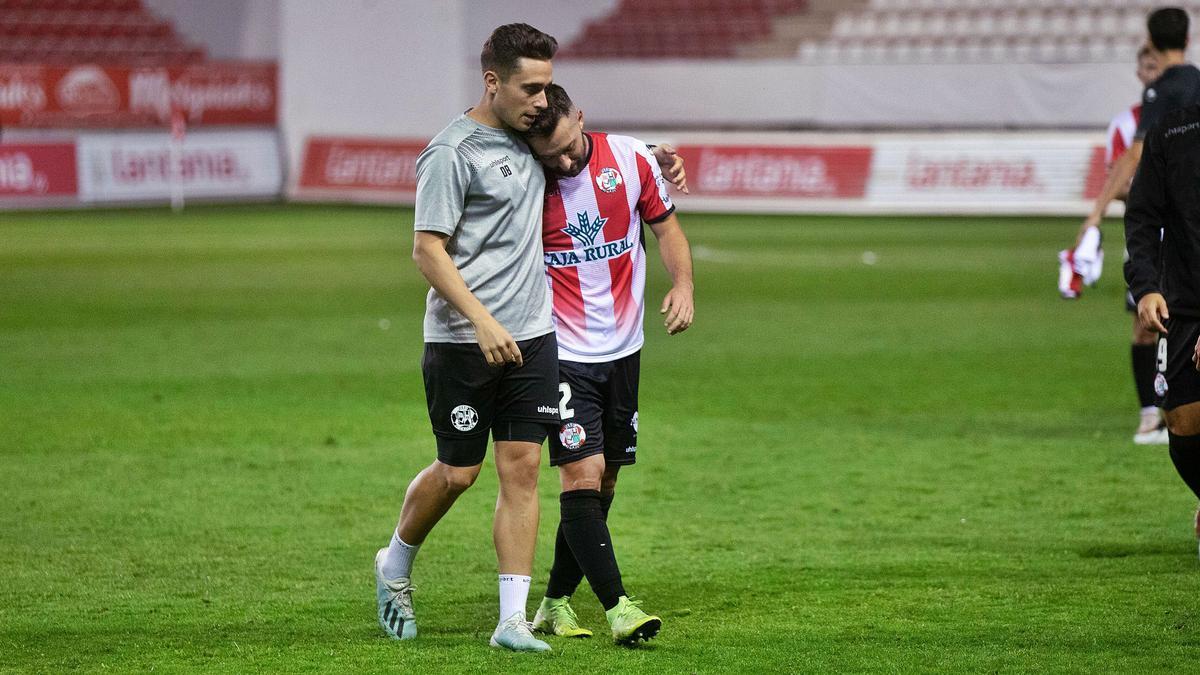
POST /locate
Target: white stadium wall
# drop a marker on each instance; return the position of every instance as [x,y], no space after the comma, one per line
[776,93]
[370,68]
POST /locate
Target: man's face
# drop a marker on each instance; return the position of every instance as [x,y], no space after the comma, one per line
[564,151]
[1148,69]
[520,97]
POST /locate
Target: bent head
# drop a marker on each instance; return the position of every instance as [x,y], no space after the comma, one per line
[1148,68]
[516,70]
[557,137]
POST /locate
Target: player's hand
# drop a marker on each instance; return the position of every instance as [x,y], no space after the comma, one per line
[497,344]
[1152,311]
[1092,220]
[679,310]
[672,166]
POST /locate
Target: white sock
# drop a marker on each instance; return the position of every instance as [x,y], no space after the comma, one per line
[514,593]
[398,560]
[1150,410]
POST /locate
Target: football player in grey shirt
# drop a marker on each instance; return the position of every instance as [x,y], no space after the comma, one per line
[491,360]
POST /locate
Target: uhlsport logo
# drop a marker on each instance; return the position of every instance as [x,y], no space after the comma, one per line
[464,418]
[1160,384]
[608,180]
[572,436]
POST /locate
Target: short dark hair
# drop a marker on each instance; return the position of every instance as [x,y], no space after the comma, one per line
[514,41]
[1168,28]
[558,106]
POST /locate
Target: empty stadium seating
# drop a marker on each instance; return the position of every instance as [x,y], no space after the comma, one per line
[103,31]
[873,31]
[679,28]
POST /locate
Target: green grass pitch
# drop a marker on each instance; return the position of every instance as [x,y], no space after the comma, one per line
[207,422]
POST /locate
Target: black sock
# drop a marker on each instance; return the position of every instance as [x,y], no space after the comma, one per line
[1143,358]
[565,573]
[1185,453]
[586,532]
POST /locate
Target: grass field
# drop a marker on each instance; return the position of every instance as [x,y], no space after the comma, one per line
[924,464]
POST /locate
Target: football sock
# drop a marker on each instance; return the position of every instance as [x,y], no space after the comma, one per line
[514,592]
[587,534]
[565,573]
[1143,358]
[1185,453]
[398,560]
[606,500]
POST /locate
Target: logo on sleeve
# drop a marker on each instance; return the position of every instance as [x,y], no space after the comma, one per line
[464,418]
[608,180]
[1151,95]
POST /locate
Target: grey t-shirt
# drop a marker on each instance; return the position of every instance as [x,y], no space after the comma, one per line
[483,188]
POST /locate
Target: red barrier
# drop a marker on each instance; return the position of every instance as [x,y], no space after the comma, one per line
[357,164]
[774,171]
[1096,175]
[115,96]
[43,170]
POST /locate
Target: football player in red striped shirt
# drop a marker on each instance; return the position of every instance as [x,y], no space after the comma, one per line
[600,189]
[1120,137]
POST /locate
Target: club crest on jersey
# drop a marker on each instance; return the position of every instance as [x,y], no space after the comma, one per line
[1160,385]
[464,418]
[572,436]
[608,180]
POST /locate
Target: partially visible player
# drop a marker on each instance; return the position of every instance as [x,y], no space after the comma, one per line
[1162,235]
[600,190]
[1152,429]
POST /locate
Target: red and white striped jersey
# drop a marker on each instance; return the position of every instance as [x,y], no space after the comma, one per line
[594,250]
[1120,133]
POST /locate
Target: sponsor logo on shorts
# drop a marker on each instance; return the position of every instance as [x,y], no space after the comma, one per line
[548,409]
[572,436]
[1160,384]
[631,450]
[464,418]
[633,422]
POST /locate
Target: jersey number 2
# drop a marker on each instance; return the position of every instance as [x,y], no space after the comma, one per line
[563,411]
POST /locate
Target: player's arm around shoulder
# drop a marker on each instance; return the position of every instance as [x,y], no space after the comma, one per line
[678,306]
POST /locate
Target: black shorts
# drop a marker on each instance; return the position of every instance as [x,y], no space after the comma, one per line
[468,398]
[599,409]
[1177,382]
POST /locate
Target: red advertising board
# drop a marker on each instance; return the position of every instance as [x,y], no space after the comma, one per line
[1096,175]
[38,170]
[92,95]
[775,171]
[356,164]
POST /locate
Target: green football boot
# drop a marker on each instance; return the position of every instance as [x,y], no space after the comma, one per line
[630,624]
[555,617]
